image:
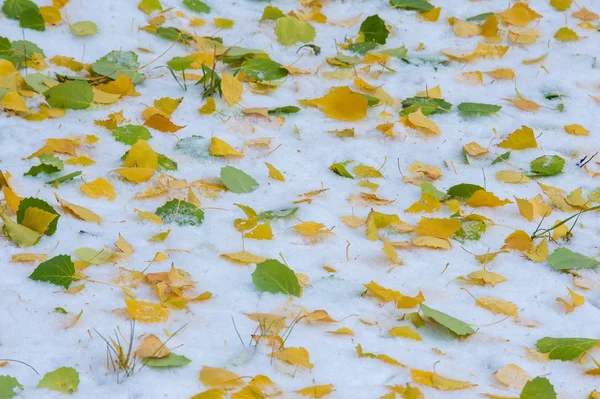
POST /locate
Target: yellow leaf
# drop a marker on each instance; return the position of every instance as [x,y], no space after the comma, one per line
[152,217]
[167,104]
[122,86]
[223,23]
[566,35]
[430,15]
[352,221]
[12,101]
[141,155]
[232,89]
[511,176]
[576,130]
[561,5]
[388,295]
[294,356]
[136,175]
[512,376]
[124,246]
[28,258]
[420,122]
[434,92]
[342,331]
[99,188]
[146,312]
[535,60]
[524,105]
[405,332]
[152,346]
[427,203]
[464,28]
[474,149]
[343,104]
[539,253]
[576,300]
[519,15]
[78,211]
[311,229]
[482,198]
[50,14]
[162,123]
[440,228]
[221,378]
[524,35]
[502,73]
[264,112]
[102,97]
[558,197]
[274,173]
[209,107]
[215,393]
[518,240]
[220,148]
[244,257]
[497,306]
[585,15]
[390,252]
[316,391]
[261,232]
[487,277]
[436,381]
[489,30]
[37,219]
[431,242]
[81,161]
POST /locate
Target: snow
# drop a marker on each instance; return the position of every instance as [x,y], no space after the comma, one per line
[32,332]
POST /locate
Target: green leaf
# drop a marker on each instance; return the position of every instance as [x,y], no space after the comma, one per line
[275,277]
[64,178]
[471,230]
[290,30]
[399,52]
[58,270]
[501,158]
[288,109]
[429,188]
[60,310]
[475,109]
[7,386]
[41,168]
[37,81]
[565,259]
[148,6]
[14,9]
[165,163]
[171,360]
[463,191]
[197,6]
[236,55]
[374,30]
[93,257]
[22,50]
[130,134]
[480,17]
[547,165]
[538,388]
[49,159]
[32,19]
[173,34]
[565,349]
[180,63]
[362,48]
[237,181]
[456,326]
[32,202]
[340,169]
[118,63]
[71,95]
[427,105]
[284,213]
[263,70]
[63,379]
[22,236]
[194,146]
[5,49]
[84,28]
[181,212]
[271,13]
[413,5]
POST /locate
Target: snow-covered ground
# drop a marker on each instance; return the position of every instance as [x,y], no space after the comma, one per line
[303,149]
